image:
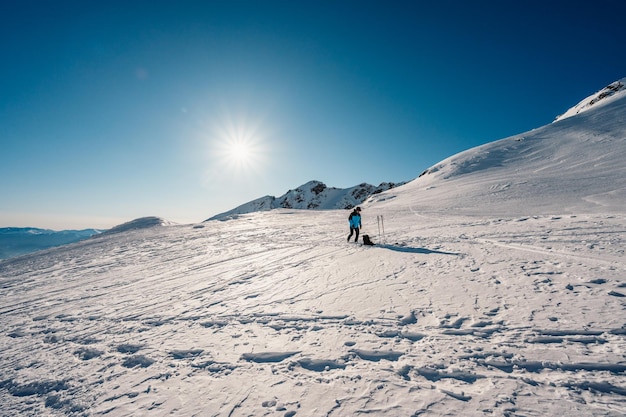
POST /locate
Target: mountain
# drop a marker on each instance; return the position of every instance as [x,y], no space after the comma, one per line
[577,161]
[314,195]
[496,288]
[15,241]
[138,224]
[613,90]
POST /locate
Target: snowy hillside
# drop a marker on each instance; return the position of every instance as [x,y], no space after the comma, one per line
[141,223]
[577,161]
[497,289]
[604,96]
[314,195]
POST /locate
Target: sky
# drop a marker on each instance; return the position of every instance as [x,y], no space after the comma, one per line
[110,111]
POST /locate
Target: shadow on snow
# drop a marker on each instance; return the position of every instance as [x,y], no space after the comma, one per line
[409,249]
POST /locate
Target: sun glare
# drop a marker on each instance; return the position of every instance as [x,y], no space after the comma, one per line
[238,147]
[239,152]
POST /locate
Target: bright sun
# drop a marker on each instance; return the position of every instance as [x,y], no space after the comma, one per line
[239,152]
[238,146]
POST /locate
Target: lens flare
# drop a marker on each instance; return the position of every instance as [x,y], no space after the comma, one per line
[238,147]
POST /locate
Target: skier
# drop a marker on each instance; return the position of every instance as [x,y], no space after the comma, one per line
[355,223]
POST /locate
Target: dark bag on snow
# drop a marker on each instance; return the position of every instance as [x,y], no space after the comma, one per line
[367,241]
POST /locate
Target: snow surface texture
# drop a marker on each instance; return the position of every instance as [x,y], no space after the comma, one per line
[314,195]
[498,289]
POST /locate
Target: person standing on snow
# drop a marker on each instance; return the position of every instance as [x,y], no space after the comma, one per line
[355,223]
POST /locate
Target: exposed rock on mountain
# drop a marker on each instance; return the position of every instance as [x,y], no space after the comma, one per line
[314,195]
[593,100]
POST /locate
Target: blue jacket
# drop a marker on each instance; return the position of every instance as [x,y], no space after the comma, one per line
[354,219]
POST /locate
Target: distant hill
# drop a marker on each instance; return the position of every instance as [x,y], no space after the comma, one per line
[15,241]
[140,223]
[314,195]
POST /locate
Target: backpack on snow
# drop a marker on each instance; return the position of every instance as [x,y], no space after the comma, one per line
[367,241]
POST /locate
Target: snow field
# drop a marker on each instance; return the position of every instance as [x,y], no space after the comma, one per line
[500,289]
[275,314]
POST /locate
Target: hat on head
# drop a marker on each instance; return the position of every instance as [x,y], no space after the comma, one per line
[358,209]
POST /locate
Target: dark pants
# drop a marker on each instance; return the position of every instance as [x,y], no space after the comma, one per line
[352,230]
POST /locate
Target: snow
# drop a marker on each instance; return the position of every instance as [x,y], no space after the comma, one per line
[602,97]
[499,288]
[314,195]
[578,161]
[141,223]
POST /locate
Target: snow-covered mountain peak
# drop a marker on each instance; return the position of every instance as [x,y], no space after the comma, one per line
[314,195]
[613,90]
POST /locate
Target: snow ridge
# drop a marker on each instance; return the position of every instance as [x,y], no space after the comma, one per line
[314,195]
[616,88]
[138,224]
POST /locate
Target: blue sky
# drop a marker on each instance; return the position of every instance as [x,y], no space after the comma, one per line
[111,111]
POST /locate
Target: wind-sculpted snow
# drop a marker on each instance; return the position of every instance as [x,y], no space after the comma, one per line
[275,314]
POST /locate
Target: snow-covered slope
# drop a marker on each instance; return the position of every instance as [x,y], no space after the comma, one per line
[577,162]
[602,97]
[314,195]
[497,289]
[140,223]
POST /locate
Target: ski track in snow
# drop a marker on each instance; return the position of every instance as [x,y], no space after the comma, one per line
[275,314]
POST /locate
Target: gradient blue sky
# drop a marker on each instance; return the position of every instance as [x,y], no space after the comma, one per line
[112,110]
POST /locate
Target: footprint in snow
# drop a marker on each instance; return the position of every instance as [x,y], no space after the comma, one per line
[319,365]
[137,361]
[377,355]
[129,348]
[86,354]
[184,354]
[265,357]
